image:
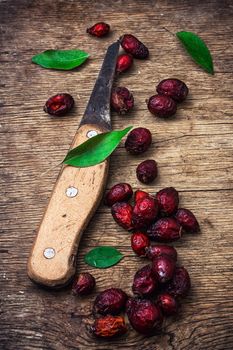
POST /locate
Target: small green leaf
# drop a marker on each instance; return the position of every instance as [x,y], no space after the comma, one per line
[197,49]
[96,149]
[60,59]
[102,257]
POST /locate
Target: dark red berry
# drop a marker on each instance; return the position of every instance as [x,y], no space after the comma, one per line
[138,140]
[147,171]
[165,230]
[180,284]
[168,200]
[144,316]
[155,251]
[59,104]
[187,220]
[109,326]
[163,267]
[124,62]
[99,29]
[134,46]
[110,301]
[122,213]
[83,284]
[139,195]
[122,100]
[145,282]
[161,106]
[167,304]
[139,243]
[144,212]
[174,88]
[118,193]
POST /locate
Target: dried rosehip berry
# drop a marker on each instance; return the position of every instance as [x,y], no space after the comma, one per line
[134,46]
[118,193]
[163,267]
[124,62]
[122,213]
[139,195]
[147,171]
[165,230]
[83,284]
[187,220]
[144,316]
[145,282]
[161,106]
[174,88]
[144,212]
[59,104]
[180,284]
[109,326]
[168,200]
[122,100]
[139,243]
[99,29]
[138,140]
[110,301]
[167,304]
[155,251]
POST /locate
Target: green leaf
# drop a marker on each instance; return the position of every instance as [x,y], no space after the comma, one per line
[197,49]
[96,149]
[103,256]
[60,59]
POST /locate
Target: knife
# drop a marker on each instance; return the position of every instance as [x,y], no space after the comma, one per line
[76,194]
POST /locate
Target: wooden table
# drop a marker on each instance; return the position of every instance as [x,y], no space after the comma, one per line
[193,151]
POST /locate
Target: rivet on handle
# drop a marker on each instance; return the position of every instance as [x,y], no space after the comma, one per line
[91,133]
[71,191]
[49,253]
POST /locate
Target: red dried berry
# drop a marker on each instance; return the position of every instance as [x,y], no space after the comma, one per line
[163,267]
[161,106]
[145,282]
[187,220]
[180,284]
[165,230]
[122,213]
[139,195]
[99,29]
[118,193]
[168,200]
[124,62]
[109,326]
[167,304]
[58,105]
[134,46]
[174,88]
[139,243]
[122,100]
[83,284]
[157,250]
[147,171]
[144,212]
[110,301]
[144,316]
[138,140]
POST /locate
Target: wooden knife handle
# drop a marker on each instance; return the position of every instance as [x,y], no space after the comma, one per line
[74,199]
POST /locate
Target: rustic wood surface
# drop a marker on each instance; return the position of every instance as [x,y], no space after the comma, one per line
[193,151]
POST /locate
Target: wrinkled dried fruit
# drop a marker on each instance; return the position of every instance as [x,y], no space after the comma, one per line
[138,140]
[122,100]
[168,200]
[145,282]
[139,195]
[161,106]
[147,171]
[134,46]
[165,230]
[158,250]
[174,88]
[110,301]
[83,284]
[163,267]
[144,212]
[144,316]
[167,304]
[139,243]
[187,220]
[118,193]
[180,284]
[59,105]
[99,29]
[124,62]
[122,213]
[109,326]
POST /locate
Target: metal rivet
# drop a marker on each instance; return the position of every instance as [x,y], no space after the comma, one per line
[49,253]
[71,191]
[91,133]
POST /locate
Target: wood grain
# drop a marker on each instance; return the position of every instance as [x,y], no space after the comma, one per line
[193,151]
